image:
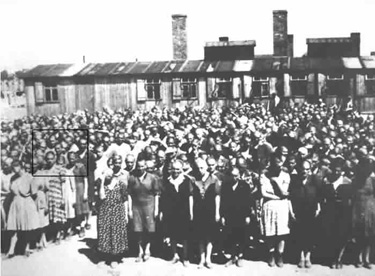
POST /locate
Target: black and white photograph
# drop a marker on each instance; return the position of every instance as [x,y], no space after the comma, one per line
[178,137]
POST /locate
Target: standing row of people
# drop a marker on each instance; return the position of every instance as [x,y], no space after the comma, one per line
[51,199]
[302,163]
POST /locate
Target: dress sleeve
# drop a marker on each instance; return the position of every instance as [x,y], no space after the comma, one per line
[155,186]
[249,201]
[217,186]
[123,191]
[130,188]
[191,186]
[286,181]
[35,184]
[264,183]
[83,171]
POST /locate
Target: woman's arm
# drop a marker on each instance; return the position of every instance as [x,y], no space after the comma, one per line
[130,207]
[191,207]
[126,206]
[85,188]
[156,189]
[291,212]
[156,213]
[318,209]
[217,208]
[101,189]
[62,180]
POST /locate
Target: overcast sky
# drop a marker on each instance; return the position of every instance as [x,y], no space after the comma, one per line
[62,31]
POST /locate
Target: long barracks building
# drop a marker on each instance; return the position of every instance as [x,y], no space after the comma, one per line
[333,70]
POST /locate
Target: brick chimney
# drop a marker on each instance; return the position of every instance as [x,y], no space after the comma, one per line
[356,43]
[280,33]
[179,36]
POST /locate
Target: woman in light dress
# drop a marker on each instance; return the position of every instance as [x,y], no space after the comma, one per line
[23,215]
[276,209]
[40,185]
[69,198]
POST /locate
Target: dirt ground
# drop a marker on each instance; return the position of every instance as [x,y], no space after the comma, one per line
[76,257]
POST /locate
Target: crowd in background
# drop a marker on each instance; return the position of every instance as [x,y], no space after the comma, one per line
[215,181]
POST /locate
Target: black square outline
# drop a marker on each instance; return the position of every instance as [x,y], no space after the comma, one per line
[61,129]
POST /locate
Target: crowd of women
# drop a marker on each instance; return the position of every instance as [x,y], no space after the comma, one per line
[212,181]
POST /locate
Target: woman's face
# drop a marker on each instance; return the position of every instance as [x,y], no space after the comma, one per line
[72,158]
[117,163]
[337,170]
[292,163]
[202,167]
[218,140]
[16,169]
[278,163]
[176,170]
[247,140]
[28,167]
[58,148]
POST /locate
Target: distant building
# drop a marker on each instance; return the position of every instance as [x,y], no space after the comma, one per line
[334,46]
[230,72]
[229,50]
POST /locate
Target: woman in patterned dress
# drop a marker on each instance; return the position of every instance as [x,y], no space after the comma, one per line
[276,209]
[23,215]
[206,212]
[112,215]
[55,199]
[69,197]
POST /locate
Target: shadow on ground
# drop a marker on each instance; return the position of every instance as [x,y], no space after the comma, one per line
[91,252]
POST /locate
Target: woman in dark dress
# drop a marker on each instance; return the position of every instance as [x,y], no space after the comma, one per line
[144,195]
[364,211]
[336,213]
[206,211]
[112,214]
[177,209]
[235,211]
[305,196]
